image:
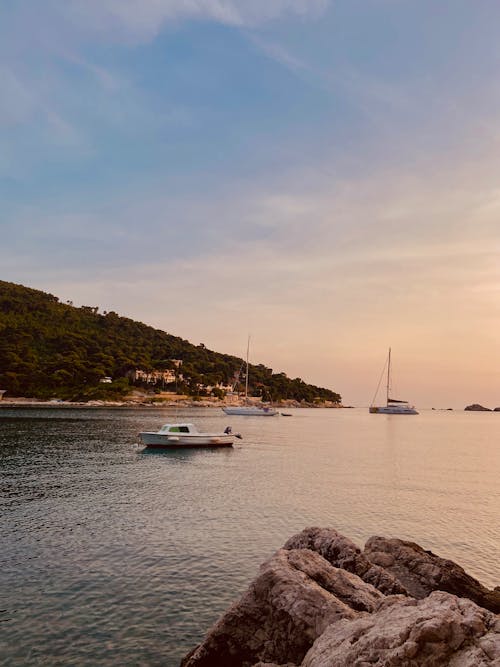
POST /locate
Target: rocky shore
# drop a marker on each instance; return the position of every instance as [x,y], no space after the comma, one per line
[321,601]
[148,399]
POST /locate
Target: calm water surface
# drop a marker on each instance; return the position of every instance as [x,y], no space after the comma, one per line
[112,555]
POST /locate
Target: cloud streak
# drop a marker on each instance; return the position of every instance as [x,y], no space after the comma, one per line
[136,21]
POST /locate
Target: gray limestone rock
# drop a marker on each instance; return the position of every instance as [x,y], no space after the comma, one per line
[295,597]
[422,572]
[341,552]
[439,631]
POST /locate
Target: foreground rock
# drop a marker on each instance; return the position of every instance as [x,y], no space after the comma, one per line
[439,630]
[341,552]
[422,572]
[295,597]
[322,602]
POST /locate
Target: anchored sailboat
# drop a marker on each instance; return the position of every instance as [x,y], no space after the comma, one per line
[249,410]
[393,406]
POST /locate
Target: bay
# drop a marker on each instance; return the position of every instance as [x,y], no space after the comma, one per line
[114,555]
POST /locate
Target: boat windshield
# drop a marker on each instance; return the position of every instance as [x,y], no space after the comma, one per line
[177,428]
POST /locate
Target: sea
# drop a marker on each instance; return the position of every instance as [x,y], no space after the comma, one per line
[114,555]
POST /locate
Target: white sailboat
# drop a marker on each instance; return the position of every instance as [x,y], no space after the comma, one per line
[249,410]
[393,406]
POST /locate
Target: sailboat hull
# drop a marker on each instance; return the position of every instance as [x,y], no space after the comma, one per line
[250,411]
[394,410]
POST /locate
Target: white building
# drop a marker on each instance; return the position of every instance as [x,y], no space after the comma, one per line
[156,377]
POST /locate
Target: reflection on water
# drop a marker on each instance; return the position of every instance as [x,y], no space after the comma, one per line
[116,555]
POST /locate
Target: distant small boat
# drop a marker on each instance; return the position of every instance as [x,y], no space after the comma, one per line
[187,435]
[286,414]
[392,406]
[247,409]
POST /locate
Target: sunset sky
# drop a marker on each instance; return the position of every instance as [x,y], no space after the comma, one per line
[323,175]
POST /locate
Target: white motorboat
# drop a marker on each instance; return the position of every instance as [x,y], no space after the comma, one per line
[392,406]
[249,410]
[187,435]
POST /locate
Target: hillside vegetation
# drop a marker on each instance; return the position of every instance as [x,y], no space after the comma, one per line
[53,349]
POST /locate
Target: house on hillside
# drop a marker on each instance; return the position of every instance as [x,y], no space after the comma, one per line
[167,376]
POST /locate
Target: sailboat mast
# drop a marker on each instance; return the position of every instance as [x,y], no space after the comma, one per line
[246,374]
[388,377]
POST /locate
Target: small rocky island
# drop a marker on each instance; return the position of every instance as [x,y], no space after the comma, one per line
[321,601]
[476,407]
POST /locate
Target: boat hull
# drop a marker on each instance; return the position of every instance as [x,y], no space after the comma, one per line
[185,440]
[393,410]
[250,411]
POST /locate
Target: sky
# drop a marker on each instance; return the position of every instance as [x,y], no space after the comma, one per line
[322,175]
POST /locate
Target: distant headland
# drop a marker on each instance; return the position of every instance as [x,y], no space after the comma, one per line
[53,351]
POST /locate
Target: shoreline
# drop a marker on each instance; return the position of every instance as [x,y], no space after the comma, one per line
[153,402]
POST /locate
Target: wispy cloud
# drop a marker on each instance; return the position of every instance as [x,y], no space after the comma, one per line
[278,53]
[17,103]
[366,239]
[108,81]
[142,20]
[24,101]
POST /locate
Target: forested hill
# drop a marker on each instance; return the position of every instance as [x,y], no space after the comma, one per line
[49,348]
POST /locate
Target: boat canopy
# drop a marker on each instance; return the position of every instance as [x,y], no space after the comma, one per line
[395,400]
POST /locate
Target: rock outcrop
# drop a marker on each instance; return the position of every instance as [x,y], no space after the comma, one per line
[296,595]
[439,630]
[341,552]
[477,408]
[422,572]
[322,602]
